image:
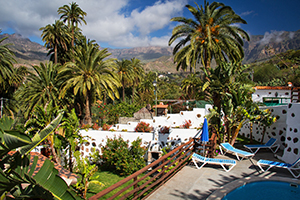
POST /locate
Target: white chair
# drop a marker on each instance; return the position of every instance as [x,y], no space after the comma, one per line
[270,145]
[223,162]
[237,152]
[294,166]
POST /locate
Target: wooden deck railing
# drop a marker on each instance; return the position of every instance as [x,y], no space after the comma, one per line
[147,180]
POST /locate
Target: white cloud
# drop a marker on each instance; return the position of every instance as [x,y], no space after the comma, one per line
[246,13]
[106,20]
[273,35]
[157,16]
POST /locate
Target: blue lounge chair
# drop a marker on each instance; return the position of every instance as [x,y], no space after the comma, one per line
[294,166]
[198,158]
[237,152]
[270,145]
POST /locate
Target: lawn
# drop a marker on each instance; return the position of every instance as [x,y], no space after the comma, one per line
[108,179]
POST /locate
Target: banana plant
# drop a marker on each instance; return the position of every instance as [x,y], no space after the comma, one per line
[17,176]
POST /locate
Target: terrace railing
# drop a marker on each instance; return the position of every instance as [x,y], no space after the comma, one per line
[150,178]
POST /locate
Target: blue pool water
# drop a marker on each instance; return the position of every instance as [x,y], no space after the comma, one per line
[265,190]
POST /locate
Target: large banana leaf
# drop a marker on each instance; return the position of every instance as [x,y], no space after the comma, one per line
[10,139]
[45,184]
[42,135]
[17,176]
[6,123]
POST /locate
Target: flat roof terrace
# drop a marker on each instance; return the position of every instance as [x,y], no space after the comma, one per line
[212,182]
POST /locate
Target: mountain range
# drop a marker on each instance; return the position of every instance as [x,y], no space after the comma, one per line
[259,48]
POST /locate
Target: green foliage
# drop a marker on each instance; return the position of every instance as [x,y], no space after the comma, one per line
[279,69]
[143,127]
[273,82]
[16,173]
[86,171]
[265,73]
[70,137]
[121,158]
[110,113]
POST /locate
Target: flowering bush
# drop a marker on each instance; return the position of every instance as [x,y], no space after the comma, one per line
[106,127]
[187,124]
[143,127]
[85,126]
[217,152]
[164,129]
[95,126]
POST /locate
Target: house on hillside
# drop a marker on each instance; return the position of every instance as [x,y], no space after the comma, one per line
[276,95]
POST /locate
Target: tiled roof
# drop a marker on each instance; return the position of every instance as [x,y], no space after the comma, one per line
[69,177]
[273,88]
[161,106]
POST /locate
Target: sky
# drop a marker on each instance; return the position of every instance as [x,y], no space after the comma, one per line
[138,23]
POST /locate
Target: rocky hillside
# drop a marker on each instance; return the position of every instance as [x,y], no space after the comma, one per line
[160,58]
[26,51]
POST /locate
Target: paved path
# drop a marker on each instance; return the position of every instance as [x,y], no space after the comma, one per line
[193,183]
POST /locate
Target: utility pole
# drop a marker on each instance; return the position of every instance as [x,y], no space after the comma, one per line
[1,106]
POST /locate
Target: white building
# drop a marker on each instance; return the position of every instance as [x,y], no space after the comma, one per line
[276,95]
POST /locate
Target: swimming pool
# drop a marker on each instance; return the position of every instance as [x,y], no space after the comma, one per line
[265,190]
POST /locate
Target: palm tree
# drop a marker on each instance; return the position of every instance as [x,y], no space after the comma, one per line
[190,85]
[55,36]
[125,71]
[138,74]
[42,117]
[10,86]
[72,15]
[6,63]
[41,87]
[90,75]
[146,88]
[211,35]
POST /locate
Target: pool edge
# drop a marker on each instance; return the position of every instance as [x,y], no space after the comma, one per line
[224,190]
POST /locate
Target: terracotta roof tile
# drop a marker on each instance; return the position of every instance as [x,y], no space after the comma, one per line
[275,87]
[69,177]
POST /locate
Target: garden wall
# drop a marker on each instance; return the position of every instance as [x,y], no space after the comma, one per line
[99,138]
[286,130]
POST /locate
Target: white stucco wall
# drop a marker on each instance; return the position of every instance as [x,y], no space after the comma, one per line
[292,143]
[175,137]
[286,130]
[258,95]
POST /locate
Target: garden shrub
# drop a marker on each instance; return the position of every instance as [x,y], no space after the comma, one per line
[122,159]
[106,127]
[187,124]
[110,113]
[164,129]
[95,126]
[143,127]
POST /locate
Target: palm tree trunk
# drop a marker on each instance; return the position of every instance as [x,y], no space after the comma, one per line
[55,53]
[87,117]
[70,160]
[236,132]
[123,86]
[133,90]
[263,135]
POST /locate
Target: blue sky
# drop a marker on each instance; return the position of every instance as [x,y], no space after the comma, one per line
[136,23]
